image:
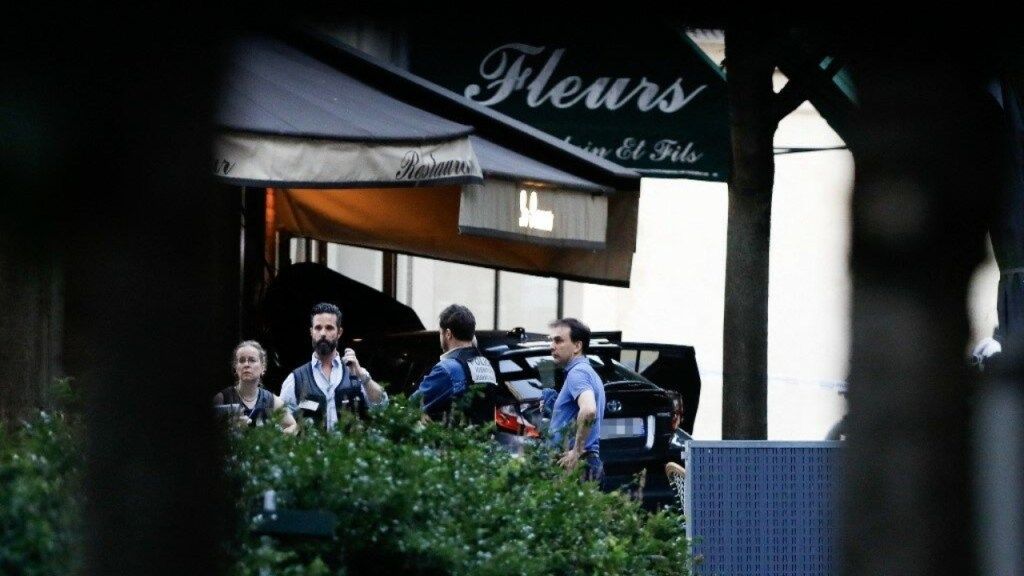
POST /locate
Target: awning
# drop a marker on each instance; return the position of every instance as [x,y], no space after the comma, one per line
[291,120]
[425,222]
[361,153]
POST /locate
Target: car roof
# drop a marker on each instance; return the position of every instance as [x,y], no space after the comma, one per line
[493,343]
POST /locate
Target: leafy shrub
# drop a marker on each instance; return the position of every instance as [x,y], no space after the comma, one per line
[425,499]
[39,489]
[410,497]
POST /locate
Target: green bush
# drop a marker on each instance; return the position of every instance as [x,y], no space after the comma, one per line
[39,489]
[426,499]
[410,497]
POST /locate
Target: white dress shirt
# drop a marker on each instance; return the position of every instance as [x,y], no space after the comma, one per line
[327,388]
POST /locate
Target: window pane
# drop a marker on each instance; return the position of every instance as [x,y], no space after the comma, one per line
[431,285]
[360,264]
[527,301]
[629,358]
[647,357]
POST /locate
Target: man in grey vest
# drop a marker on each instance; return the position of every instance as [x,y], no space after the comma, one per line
[330,382]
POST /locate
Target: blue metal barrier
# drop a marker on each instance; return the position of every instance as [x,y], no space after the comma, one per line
[760,507]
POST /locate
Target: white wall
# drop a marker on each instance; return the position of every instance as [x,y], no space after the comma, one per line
[678,282]
[436,284]
[809,281]
[360,264]
[527,301]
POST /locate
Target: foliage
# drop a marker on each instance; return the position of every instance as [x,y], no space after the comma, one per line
[410,497]
[39,514]
[427,499]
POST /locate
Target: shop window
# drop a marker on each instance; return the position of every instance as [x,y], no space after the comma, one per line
[527,301]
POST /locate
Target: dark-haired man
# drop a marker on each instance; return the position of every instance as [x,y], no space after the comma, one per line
[581,399]
[330,381]
[460,366]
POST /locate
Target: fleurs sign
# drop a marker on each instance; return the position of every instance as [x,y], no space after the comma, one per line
[505,68]
[645,98]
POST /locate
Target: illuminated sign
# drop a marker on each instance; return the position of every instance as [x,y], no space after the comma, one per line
[514,211]
[531,216]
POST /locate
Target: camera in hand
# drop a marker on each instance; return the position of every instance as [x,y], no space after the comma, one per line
[225,410]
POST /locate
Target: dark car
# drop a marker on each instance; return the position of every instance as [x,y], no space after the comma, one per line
[642,416]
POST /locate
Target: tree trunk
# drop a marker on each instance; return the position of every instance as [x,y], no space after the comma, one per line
[745,333]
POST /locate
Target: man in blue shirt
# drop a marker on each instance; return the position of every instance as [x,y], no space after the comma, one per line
[460,364]
[581,399]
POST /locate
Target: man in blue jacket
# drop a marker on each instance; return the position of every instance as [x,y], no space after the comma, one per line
[581,400]
[460,366]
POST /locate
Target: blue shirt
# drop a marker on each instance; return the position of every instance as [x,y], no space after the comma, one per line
[579,377]
[445,381]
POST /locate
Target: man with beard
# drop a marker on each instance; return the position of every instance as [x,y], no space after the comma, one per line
[331,381]
[460,366]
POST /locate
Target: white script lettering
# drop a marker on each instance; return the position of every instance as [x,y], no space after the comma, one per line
[222,167]
[506,71]
[672,151]
[631,149]
[589,147]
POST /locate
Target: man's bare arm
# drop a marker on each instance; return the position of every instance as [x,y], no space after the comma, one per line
[584,421]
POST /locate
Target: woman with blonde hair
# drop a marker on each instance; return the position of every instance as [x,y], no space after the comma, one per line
[249,362]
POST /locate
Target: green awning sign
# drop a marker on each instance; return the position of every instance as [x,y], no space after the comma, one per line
[645,98]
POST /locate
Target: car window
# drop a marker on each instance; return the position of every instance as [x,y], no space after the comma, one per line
[647,357]
[533,361]
[608,369]
[545,368]
[506,366]
[638,360]
[620,372]
[629,358]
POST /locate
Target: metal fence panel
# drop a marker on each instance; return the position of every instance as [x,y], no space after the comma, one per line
[762,507]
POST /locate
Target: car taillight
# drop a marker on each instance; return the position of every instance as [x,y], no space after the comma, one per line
[508,419]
